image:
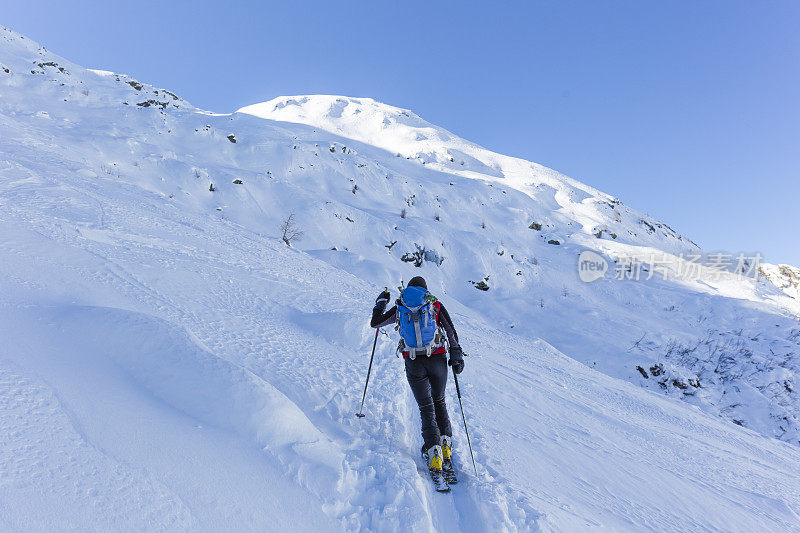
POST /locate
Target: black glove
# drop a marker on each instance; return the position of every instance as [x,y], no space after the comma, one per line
[382,299]
[456,360]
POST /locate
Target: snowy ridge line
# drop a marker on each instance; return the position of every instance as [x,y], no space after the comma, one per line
[401,131]
[23,58]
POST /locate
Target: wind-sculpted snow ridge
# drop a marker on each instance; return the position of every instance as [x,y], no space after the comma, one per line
[168,363]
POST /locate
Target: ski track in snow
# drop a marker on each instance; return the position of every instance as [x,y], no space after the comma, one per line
[169,364]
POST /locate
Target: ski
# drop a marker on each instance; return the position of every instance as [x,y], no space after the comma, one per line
[439,481]
[449,472]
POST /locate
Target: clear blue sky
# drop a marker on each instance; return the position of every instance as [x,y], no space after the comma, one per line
[689,111]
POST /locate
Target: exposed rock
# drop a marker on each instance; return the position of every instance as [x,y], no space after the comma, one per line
[784,277]
[156,103]
[481,285]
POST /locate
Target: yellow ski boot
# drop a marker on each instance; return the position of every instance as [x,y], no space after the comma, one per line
[434,461]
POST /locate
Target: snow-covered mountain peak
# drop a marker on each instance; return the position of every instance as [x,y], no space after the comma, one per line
[398,131]
[405,134]
[363,119]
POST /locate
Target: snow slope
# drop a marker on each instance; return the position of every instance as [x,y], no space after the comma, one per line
[711,340]
[169,364]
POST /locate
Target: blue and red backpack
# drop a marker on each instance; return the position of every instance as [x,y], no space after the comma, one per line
[418,323]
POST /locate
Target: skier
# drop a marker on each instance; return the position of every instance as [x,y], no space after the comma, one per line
[420,321]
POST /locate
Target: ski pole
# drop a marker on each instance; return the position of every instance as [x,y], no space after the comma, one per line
[464,418]
[360,413]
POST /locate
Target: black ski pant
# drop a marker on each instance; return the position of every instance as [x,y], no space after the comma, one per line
[428,379]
